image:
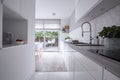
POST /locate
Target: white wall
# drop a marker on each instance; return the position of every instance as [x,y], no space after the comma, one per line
[63,35]
[112,17]
[63,23]
[18,62]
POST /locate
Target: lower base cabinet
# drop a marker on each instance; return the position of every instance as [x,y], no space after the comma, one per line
[109,76]
[80,73]
[83,68]
[91,67]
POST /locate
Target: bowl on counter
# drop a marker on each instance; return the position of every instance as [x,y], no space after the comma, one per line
[19,41]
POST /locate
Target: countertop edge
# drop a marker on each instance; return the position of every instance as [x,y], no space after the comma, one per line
[106,63]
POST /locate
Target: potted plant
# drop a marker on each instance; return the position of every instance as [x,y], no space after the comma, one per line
[112,37]
[68,38]
[65,28]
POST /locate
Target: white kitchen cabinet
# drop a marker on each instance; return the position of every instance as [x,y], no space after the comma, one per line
[1,12]
[109,76]
[14,5]
[26,8]
[14,25]
[83,76]
[83,7]
[80,73]
[93,69]
[78,67]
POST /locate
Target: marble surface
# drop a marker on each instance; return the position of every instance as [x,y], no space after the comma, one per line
[107,63]
[50,62]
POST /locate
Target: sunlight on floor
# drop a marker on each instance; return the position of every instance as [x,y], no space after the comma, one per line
[52,76]
[50,62]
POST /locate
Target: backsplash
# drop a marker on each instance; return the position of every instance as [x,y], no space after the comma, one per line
[111,17]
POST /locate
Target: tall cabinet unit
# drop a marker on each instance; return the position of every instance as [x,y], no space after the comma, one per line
[17,58]
[13,5]
[1,24]
[25,9]
[14,27]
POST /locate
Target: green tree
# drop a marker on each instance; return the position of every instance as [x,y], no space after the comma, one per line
[48,34]
[55,34]
[39,35]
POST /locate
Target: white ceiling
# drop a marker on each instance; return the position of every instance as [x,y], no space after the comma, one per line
[62,8]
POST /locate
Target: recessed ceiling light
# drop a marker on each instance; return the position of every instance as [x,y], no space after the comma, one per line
[53,14]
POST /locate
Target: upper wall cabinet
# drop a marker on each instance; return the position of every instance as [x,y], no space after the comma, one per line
[26,8]
[13,5]
[83,7]
[87,10]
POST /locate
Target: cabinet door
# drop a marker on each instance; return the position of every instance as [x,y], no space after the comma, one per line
[81,9]
[68,48]
[109,76]
[13,5]
[94,69]
[1,11]
[80,73]
[27,10]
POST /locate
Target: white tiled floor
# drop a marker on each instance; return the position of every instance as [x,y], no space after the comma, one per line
[51,76]
[52,66]
[50,62]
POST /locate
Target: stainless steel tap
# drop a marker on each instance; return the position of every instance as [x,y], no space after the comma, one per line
[87,31]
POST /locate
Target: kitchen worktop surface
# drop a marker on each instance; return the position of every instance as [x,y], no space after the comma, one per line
[109,64]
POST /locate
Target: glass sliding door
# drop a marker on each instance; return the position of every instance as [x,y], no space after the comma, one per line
[47,35]
[39,41]
[51,40]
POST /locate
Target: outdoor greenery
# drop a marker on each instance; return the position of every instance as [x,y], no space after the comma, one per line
[55,34]
[49,34]
[110,32]
[39,34]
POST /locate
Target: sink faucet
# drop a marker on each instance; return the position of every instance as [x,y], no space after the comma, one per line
[87,31]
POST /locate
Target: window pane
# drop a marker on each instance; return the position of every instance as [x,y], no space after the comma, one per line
[38,26]
[51,26]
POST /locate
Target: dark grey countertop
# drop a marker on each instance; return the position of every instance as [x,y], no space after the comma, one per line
[107,63]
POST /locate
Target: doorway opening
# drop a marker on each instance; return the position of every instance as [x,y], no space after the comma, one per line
[48,58]
[47,40]
[47,35]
